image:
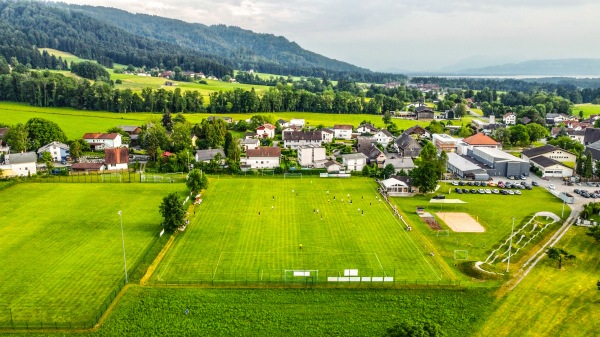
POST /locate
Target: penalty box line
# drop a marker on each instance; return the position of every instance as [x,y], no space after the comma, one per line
[411,240]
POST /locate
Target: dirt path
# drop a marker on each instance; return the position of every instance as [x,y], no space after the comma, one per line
[156,261]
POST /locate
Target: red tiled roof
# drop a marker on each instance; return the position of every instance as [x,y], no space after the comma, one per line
[266,126]
[100,136]
[480,139]
[116,156]
[264,152]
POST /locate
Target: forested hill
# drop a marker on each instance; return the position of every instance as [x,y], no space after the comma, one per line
[248,50]
[26,26]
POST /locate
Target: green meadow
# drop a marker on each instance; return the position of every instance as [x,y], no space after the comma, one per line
[61,248]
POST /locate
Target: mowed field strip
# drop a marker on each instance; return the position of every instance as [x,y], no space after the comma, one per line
[228,235]
[61,246]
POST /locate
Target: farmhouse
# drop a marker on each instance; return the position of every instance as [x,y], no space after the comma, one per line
[262,158]
[99,141]
[116,158]
[354,161]
[311,156]
[395,187]
[342,131]
[19,164]
[424,112]
[374,155]
[266,131]
[296,139]
[59,151]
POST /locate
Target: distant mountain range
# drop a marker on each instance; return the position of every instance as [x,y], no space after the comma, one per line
[559,68]
[110,36]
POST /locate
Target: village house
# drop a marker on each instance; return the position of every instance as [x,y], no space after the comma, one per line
[19,164]
[366,128]
[327,135]
[383,137]
[296,139]
[205,156]
[550,152]
[116,158]
[58,150]
[299,122]
[133,131]
[342,131]
[266,131]
[444,142]
[88,167]
[99,141]
[354,161]
[333,167]
[417,132]
[262,158]
[407,146]
[250,144]
[509,118]
[312,156]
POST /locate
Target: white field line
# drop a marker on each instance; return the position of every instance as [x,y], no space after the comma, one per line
[411,240]
[376,256]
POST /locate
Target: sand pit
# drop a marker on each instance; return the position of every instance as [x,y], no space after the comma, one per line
[461,222]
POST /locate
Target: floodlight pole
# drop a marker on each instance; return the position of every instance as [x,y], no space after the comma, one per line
[512,229]
[123,241]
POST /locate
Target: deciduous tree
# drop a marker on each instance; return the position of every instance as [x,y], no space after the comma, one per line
[172,212]
[559,254]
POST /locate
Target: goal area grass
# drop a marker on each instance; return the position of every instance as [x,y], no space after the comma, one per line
[61,247]
[264,226]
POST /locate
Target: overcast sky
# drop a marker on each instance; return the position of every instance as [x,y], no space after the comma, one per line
[404,34]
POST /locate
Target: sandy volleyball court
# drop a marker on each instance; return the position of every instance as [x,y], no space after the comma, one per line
[461,222]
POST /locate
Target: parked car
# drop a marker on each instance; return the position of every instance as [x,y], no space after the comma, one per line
[534,183]
[523,177]
[517,192]
[529,187]
[455,183]
[462,183]
[459,191]
[511,192]
[551,186]
[481,191]
[504,192]
[577,191]
[483,183]
[473,191]
[488,191]
[465,190]
[495,191]
[439,196]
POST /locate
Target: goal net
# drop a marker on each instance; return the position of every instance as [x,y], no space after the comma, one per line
[292,175]
[461,254]
[267,172]
[113,177]
[443,232]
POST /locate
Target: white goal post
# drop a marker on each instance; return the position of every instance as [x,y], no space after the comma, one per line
[112,176]
[461,254]
[292,175]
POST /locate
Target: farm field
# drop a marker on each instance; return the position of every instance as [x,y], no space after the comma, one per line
[61,246]
[494,212]
[294,312]
[552,301]
[75,123]
[588,109]
[229,239]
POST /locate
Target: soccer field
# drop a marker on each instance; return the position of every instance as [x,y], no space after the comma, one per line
[257,228]
[60,246]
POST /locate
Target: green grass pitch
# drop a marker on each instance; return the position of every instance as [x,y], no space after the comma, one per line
[229,236]
[61,246]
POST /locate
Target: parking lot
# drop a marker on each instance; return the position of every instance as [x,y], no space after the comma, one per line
[504,187]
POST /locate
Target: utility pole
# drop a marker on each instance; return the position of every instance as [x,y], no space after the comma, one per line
[512,229]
